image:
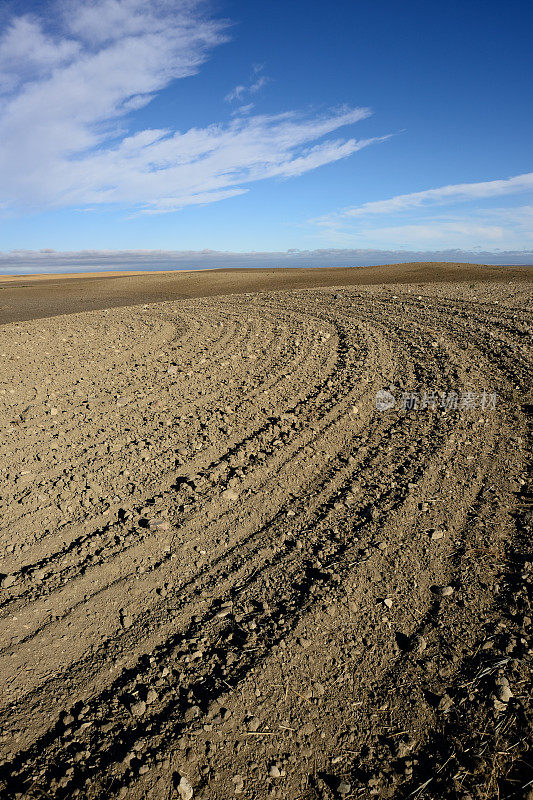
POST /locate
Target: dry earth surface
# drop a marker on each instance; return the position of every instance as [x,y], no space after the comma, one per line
[226,573]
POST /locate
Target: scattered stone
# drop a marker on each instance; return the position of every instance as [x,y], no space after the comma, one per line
[344,788]
[443,591]
[159,525]
[502,690]
[445,703]
[151,696]
[193,712]
[138,708]
[185,789]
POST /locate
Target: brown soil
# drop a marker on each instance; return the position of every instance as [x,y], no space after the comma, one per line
[34,297]
[223,566]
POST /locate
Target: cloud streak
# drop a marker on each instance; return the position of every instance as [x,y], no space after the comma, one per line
[459,192]
[64,112]
[411,220]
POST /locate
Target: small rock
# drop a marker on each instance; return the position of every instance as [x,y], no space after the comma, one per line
[274,772]
[436,535]
[503,690]
[126,621]
[445,703]
[7,581]
[193,712]
[443,591]
[387,602]
[138,708]
[185,789]
[229,494]
[344,788]
[151,696]
[159,525]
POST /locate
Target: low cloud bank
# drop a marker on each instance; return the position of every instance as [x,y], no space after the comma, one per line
[27,262]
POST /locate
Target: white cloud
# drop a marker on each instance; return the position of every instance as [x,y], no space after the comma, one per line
[242,111]
[256,83]
[410,221]
[443,195]
[235,94]
[63,113]
[24,262]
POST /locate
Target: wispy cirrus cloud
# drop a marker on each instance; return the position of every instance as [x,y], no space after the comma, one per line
[257,81]
[66,98]
[411,220]
[444,195]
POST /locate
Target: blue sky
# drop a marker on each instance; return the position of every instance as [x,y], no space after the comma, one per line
[255,126]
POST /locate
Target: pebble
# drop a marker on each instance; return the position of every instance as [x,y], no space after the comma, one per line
[159,525]
[443,591]
[193,712]
[185,789]
[138,708]
[151,696]
[503,690]
[445,703]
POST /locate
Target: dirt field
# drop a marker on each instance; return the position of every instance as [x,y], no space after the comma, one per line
[36,296]
[227,573]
